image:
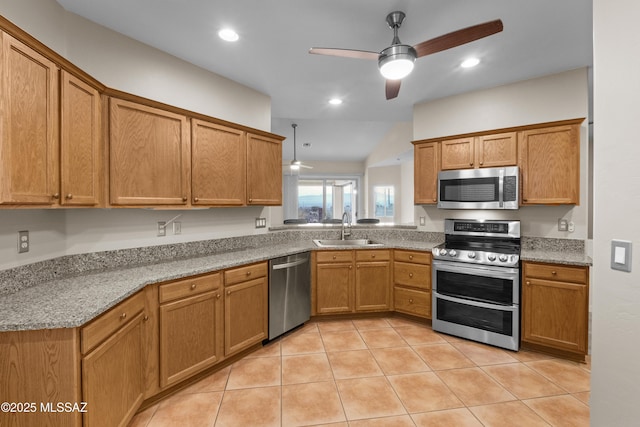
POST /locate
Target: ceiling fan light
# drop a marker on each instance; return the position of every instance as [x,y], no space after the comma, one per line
[470,62]
[396,62]
[227,34]
[295,166]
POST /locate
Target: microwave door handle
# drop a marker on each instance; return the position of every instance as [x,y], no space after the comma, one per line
[501,189]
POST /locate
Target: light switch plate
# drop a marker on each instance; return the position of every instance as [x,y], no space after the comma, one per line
[621,255]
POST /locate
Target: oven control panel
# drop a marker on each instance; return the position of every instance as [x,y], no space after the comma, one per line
[476,257]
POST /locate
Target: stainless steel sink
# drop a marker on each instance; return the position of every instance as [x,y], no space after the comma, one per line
[347,242]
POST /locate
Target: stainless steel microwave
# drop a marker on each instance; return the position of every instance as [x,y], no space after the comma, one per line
[489,188]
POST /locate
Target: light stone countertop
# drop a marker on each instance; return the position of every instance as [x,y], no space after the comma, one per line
[73,301]
[69,302]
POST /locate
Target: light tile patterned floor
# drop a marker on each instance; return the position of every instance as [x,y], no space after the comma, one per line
[381,372]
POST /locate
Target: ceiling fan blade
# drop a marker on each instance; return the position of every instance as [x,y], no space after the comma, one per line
[345,53]
[305,166]
[457,38]
[391,88]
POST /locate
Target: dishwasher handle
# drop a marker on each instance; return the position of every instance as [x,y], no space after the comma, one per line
[289,264]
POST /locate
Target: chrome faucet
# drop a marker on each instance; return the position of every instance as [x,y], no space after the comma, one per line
[344,233]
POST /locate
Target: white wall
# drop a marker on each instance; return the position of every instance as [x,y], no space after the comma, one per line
[124,64]
[550,98]
[615,384]
[406,193]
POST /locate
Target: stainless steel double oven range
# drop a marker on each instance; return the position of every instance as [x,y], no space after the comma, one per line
[476,282]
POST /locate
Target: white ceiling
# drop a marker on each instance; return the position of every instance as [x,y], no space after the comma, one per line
[540,37]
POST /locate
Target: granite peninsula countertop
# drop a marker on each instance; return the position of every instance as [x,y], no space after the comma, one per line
[69,302]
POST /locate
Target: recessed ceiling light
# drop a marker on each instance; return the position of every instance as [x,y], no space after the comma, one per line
[335,101]
[228,34]
[470,62]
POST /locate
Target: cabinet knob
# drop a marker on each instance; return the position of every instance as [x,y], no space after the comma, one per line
[250,199]
[193,286]
[351,267]
[145,318]
[69,196]
[373,256]
[481,163]
[184,198]
[55,196]
[218,296]
[228,292]
[528,282]
[525,200]
[248,273]
[334,257]
[195,199]
[410,274]
[554,272]
[410,300]
[470,163]
[410,256]
[123,316]
[435,200]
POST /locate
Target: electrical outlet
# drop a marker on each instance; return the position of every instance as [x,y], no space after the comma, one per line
[177,227]
[563,224]
[423,220]
[23,241]
[571,227]
[162,228]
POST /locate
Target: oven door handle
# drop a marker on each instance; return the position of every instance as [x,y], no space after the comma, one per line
[476,303]
[476,270]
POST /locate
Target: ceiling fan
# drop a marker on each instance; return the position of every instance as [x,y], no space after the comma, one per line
[295,163]
[396,61]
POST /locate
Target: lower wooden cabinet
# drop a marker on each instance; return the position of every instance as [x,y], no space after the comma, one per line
[349,281]
[246,307]
[190,327]
[373,279]
[113,367]
[412,283]
[555,304]
[334,282]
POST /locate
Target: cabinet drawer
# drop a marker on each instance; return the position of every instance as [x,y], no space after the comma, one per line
[104,326]
[334,256]
[415,275]
[556,272]
[189,287]
[373,255]
[412,301]
[412,256]
[242,274]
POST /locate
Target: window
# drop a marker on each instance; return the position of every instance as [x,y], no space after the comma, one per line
[383,202]
[325,199]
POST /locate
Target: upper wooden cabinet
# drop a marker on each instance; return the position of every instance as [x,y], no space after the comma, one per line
[29,160]
[218,164]
[550,164]
[80,147]
[457,153]
[264,170]
[425,172]
[149,155]
[496,150]
[483,151]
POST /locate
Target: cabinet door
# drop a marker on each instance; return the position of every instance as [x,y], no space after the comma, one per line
[112,377]
[190,336]
[497,150]
[334,288]
[425,173]
[555,314]
[218,164]
[373,286]
[458,153]
[80,142]
[245,313]
[149,155]
[264,171]
[29,121]
[550,165]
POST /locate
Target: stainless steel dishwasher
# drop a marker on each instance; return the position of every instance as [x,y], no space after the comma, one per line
[289,293]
